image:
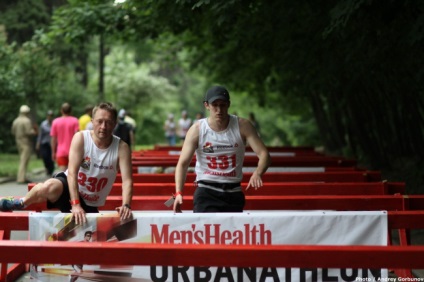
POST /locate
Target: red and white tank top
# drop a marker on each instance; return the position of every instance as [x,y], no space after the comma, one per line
[97,171]
[220,155]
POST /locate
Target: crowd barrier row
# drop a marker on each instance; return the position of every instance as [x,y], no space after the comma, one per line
[340,187]
[400,258]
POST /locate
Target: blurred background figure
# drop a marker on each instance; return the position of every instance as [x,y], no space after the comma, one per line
[170,130]
[43,143]
[254,122]
[85,119]
[184,124]
[199,115]
[128,119]
[124,130]
[61,133]
[24,132]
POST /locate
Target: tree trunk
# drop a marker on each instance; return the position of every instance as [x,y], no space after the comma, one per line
[102,55]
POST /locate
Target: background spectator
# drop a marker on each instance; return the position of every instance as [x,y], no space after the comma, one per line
[170,130]
[85,118]
[24,132]
[62,131]
[43,143]
[184,124]
[124,130]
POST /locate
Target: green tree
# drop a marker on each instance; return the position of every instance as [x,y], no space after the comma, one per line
[9,87]
[351,69]
[22,18]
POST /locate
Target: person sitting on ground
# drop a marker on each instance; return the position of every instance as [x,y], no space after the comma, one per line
[219,142]
[95,158]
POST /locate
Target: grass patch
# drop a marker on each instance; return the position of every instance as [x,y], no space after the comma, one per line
[9,164]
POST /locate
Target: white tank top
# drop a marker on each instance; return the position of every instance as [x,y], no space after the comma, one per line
[220,155]
[97,171]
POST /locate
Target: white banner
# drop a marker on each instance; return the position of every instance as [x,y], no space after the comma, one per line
[248,228]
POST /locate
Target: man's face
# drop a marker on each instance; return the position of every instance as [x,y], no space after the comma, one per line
[103,124]
[87,237]
[218,108]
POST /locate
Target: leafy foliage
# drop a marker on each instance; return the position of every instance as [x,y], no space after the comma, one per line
[22,18]
[346,74]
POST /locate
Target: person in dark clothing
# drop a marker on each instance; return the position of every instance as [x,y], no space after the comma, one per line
[43,143]
[124,130]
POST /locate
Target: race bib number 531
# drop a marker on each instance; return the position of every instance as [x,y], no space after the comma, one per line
[222,162]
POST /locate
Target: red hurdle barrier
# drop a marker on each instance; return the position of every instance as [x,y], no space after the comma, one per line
[253,162]
[248,149]
[341,187]
[214,255]
[331,202]
[341,203]
[248,153]
[274,188]
[328,176]
[393,257]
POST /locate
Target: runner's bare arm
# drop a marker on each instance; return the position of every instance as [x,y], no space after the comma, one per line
[187,152]
[127,180]
[251,136]
[76,154]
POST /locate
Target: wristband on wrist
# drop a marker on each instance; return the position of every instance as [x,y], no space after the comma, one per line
[127,205]
[178,193]
[74,202]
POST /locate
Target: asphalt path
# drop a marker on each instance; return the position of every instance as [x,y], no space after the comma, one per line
[9,187]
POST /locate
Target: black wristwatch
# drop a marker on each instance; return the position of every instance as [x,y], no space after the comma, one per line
[127,205]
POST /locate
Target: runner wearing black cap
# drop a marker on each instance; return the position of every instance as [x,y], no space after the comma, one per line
[219,142]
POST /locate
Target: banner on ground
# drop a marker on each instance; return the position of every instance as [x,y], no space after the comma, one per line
[248,228]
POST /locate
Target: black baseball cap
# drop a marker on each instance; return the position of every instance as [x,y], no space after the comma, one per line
[217,92]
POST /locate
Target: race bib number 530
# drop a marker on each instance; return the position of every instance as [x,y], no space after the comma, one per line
[93,184]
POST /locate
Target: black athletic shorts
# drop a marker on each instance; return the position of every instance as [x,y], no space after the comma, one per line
[215,199]
[63,203]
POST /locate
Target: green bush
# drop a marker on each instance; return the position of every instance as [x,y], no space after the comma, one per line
[10,162]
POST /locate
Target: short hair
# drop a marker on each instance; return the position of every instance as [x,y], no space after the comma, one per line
[107,107]
[66,108]
[88,233]
[88,109]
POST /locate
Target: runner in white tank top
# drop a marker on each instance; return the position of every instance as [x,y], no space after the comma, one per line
[220,155]
[219,143]
[93,164]
[98,171]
